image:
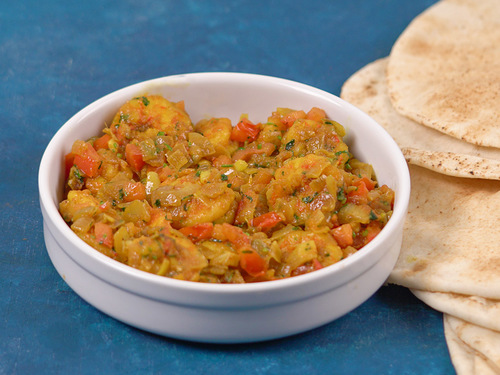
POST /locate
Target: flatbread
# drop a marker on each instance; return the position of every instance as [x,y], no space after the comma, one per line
[444,73]
[466,360]
[451,237]
[483,342]
[421,145]
[473,309]
[453,164]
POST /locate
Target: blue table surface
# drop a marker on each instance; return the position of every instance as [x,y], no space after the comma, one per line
[58,56]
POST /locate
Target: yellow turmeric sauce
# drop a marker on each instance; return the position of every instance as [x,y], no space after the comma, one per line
[214,203]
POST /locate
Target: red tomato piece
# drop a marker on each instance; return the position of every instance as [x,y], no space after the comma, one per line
[267,220]
[252,263]
[104,234]
[133,155]
[69,161]
[245,130]
[360,195]
[87,159]
[343,235]
[102,142]
[198,232]
[134,191]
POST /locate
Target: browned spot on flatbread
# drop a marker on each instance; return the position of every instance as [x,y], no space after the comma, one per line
[420,266]
[370,89]
[485,265]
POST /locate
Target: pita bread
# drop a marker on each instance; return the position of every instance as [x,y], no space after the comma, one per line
[466,360]
[477,310]
[444,73]
[453,164]
[421,145]
[484,342]
[451,237]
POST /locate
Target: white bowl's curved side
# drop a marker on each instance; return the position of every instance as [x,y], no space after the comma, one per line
[228,95]
[219,325]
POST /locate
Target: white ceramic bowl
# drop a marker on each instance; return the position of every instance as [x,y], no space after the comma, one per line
[225,313]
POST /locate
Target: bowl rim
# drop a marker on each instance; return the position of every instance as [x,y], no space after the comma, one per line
[51,213]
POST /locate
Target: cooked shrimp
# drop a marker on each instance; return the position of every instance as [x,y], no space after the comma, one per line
[145,116]
[302,186]
[218,131]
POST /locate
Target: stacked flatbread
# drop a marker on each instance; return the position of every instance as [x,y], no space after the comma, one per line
[438,95]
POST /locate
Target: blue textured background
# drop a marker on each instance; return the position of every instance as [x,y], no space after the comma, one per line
[58,56]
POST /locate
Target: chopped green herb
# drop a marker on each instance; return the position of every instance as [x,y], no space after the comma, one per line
[145,101]
[289,145]
[307,199]
[78,174]
[223,177]
[341,195]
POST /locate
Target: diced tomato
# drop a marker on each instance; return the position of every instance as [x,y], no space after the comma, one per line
[316,264]
[343,235]
[69,161]
[105,206]
[267,220]
[252,263]
[104,234]
[245,130]
[134,191]
[164,172]
[102,142]
[360,194]
[198,232]
[370,184]
[86,159]
[133,155]
[372,230]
